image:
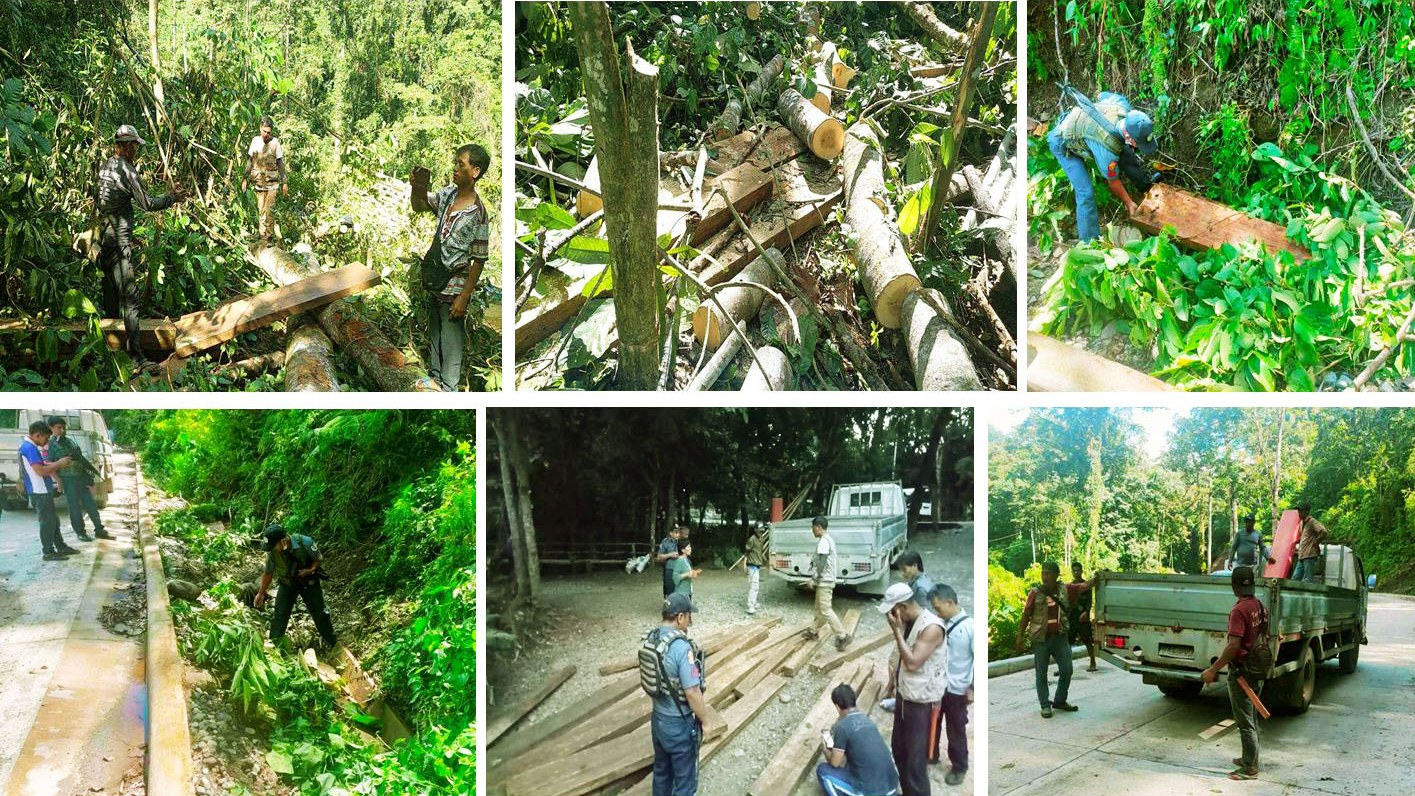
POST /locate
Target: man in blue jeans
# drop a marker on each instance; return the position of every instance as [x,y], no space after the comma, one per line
[1044,624]
[77,480]
[857,762]
[1113,147]
[671,672]
[39,483]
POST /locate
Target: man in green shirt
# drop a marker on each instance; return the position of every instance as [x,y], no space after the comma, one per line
[78,480]
[293,560]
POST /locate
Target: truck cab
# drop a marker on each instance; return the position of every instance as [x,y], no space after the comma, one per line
[869,524]
[86,427]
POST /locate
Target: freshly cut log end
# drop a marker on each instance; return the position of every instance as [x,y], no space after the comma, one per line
[841,73]
[889,292]
[939,359]
[776,376]
[754,11]
[822,134]
[742,303]
[586,203]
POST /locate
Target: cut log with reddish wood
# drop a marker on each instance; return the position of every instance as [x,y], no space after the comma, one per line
[773,374]
[731,118]
[588,203]
[882,260]
[309,358]
[1202,224]
[938,358]
[824,135]
[741,303]
[1053,366]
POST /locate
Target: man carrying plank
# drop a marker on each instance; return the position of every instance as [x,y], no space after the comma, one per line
[672,672]
[918,674]
[857,763]
[1247,644]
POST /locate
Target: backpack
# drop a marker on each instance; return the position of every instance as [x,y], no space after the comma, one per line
[1259,660]
[654,677]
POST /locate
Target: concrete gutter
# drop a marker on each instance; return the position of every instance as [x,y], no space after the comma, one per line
[169,740]
[1022,663]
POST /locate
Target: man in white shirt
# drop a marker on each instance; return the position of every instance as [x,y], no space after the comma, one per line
[823,578]
[265,166]
[958,667]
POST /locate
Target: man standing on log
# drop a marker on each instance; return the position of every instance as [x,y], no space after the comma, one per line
[671,672]
[1309,545]
[119,187]
[293,560]
[39,484]
[754,560]
[667,552]
[77,480]
[1111,135]
[453,264]
[265,166]
[823,580]
[919,678]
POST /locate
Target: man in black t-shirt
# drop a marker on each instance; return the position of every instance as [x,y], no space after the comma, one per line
[857,762]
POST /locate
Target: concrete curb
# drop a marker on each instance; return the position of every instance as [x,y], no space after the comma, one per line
[1022,663]
[169,740]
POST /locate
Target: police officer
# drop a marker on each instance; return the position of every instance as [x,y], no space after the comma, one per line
[78,480]
[1113,147]
[667,552]
[119,188]
[672,672]
[294,561]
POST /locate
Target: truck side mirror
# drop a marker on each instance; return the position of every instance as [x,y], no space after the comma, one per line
[1371,581]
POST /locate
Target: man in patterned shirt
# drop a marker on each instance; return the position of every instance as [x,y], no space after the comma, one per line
[119,188]
[265,165]
[453,265]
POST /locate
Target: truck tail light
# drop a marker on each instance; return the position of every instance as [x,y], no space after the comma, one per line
[861,566]
[782,563]
[1117,642]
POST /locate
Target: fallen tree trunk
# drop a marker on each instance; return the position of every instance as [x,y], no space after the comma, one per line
[883,262]
[309,365]
[924,17]
[376,355]
[939,359]
[731,118]
[741,303]
[824,79]
[1053,366]
[822,134]
[776,376]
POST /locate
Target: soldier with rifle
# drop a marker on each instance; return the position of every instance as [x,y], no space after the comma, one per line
[293,560]
[77,480]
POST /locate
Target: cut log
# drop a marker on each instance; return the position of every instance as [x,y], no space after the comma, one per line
[841,73]
[1053,366]
[858,648]
[824,135]
[923,16]
[710,644]
[309,365]
[754,11]
[766,151]
[939,359]
[789,766]
[522,740]
[883,261]
[776,376]
[256,365]
[742,303]
[201,330]
[153,334]
[587,203]
[772,660]
[746,185]
[823,77]
[1202,224]
[505,719]
[731,118]
[379,358]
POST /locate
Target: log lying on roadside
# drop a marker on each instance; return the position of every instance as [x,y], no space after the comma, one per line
[1053,366]
[776,376]
[346,327]
[822,134]
[741,303]
[731,118]
[309,353]
[880,255]
[939,359]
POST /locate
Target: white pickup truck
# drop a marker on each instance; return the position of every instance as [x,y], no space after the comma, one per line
[86,426]
[870,525]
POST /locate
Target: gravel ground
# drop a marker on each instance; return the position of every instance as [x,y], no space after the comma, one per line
[591,619]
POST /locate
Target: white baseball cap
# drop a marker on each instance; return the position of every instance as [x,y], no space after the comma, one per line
[128,133]
[896,594]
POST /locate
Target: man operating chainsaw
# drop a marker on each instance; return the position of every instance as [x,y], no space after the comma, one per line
[1114,137]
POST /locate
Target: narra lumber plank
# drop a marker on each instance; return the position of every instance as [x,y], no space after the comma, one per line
[154,334]
[503,720]
[1201,223]
[523,739]
[857,649]
[794,758]
[199,331]
[711,644]
[851,620]
[771,661]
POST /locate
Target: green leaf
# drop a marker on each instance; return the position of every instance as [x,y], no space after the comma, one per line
[594,336]
[599,285]
[915,209]
[279,762]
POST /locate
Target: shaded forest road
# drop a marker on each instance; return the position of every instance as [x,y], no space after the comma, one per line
[74,691]
[1128,738]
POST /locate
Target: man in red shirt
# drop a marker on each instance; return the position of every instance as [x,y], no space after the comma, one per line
[1246,622]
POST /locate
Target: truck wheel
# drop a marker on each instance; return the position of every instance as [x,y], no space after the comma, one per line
[1295,689]
[1347,660]
[1180,689]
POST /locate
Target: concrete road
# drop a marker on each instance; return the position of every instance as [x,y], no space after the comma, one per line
[73,693]
[1355,740]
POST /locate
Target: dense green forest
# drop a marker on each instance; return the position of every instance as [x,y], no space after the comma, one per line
[932,114]
[627,475]
[1294,113]
[390,497]
[360,93]
[1079,485]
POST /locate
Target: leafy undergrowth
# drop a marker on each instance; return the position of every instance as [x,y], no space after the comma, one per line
[1243,318]
[396,523]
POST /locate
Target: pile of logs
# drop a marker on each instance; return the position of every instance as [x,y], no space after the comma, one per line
[602,743]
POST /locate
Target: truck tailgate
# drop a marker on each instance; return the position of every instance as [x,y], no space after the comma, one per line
[1189,601]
